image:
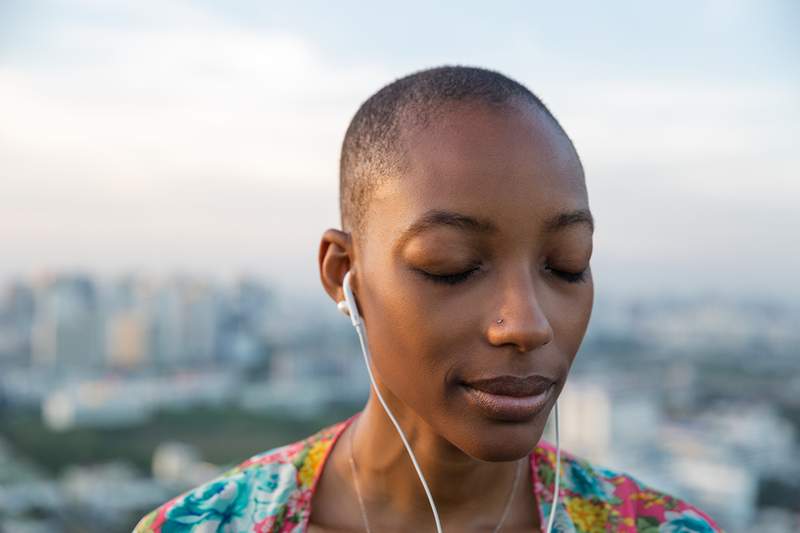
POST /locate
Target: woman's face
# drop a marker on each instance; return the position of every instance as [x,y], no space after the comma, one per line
[489,222]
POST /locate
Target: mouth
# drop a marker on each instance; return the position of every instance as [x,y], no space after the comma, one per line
[509,398]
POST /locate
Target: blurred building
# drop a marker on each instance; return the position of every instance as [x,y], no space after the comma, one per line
[17,308]
[67,327]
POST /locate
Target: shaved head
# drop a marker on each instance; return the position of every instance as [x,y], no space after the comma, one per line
[376,143]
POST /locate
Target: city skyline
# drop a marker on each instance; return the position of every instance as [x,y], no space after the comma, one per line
[713,381]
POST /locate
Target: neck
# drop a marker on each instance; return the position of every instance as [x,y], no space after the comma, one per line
[391,487]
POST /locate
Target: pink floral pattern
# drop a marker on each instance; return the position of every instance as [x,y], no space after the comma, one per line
[271,493]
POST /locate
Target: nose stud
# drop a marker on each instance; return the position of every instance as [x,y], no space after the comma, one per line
[343,308]
[499,321]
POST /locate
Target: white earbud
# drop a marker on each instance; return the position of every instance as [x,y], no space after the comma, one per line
[349,307]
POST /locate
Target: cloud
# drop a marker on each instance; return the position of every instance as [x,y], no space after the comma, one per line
[156,102]
[155,134]
[202,145]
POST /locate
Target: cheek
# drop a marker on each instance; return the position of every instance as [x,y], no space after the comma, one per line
[571,319]
[411,340]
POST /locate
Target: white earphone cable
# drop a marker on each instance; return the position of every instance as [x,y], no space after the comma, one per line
[359,325]
[355,318]
[558,475]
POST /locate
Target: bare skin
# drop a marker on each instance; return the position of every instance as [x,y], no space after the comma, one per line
[512,168]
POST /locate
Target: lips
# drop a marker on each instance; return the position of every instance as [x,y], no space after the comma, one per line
[509,398]
[512,386]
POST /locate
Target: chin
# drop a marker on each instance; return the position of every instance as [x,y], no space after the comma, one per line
[500,441]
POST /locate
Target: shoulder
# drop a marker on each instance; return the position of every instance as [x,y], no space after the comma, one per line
[267,492]
[594,497]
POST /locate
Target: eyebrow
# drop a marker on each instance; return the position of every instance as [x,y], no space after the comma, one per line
[439,217]
[563,220]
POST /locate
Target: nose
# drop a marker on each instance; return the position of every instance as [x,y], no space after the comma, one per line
[524,320]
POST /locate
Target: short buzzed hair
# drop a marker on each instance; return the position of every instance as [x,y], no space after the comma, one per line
[373,150]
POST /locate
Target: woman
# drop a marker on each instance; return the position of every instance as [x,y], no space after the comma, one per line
[466,242]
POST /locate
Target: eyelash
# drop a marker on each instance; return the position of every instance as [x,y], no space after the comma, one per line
[453,279]
[450,279]
[570,277]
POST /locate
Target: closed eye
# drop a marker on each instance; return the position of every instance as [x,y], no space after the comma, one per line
[459,277]
[569,277]
[450,279]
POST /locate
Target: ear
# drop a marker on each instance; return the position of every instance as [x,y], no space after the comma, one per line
[335,259]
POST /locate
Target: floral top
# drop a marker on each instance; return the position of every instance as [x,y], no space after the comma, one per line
[271,493]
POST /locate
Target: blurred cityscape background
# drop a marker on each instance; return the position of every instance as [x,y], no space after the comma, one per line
[168,167]
[116,394]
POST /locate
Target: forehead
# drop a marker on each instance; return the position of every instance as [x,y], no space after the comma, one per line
[510,165]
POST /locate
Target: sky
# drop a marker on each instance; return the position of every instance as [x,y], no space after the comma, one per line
[203,137]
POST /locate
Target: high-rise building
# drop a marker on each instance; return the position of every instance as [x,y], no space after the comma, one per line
[67,326]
